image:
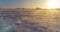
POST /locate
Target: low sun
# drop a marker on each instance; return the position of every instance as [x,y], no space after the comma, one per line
[52,4]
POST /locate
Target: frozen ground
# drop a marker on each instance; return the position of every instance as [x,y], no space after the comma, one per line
[29,20]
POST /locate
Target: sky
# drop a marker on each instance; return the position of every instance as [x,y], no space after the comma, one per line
[21,3]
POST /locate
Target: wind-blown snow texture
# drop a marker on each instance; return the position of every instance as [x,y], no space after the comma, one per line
[29,20]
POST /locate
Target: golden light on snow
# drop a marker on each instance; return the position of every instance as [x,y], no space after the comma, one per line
[52,4]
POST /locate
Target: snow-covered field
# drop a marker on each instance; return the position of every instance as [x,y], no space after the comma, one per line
[29,20]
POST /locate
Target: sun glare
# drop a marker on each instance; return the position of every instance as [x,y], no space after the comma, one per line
[52,4]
